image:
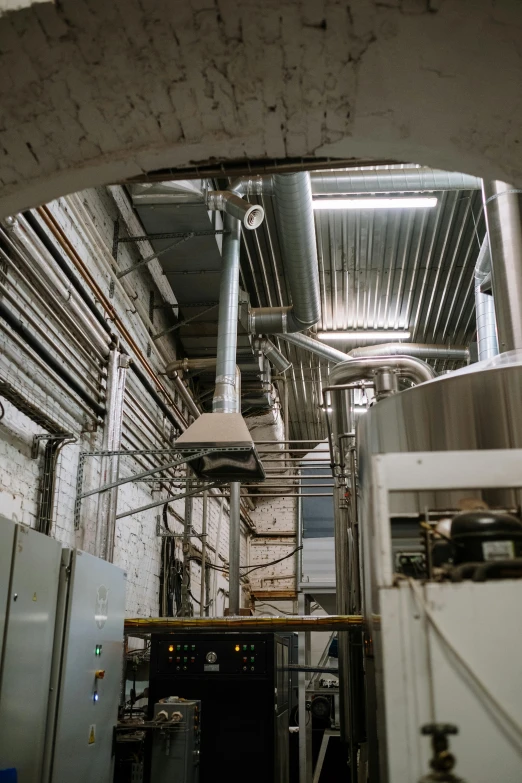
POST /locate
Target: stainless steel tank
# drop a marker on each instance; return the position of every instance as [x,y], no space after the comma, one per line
[478,407]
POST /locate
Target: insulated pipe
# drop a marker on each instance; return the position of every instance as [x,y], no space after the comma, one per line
[502,208]
[250,215]
[328,622]
[294,209]
[487,342]
[392,180]
[315,346]
[225,393]
[273,354]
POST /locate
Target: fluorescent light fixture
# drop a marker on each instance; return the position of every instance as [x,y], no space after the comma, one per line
[360,409]
[375,203]
[364,334]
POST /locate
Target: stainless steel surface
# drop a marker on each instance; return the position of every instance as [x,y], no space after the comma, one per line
[250,215]
[273,354]
[203,577]
[293,206]
[94,615]
[176,746]
[502,206]
[363,369]
[27,654]
[108,501]
[452,352]
[487,341]
[225,394]
[389,180]
[234,548]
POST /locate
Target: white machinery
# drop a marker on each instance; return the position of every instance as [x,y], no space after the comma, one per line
[445,652]
[61,628]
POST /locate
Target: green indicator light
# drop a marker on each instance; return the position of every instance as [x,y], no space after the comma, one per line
[185,646]
[252,659]
[245,647]
[252,646]
[193,646]
[98,649]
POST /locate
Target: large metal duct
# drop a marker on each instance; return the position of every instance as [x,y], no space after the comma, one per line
[487,342]
[329,183]
[365,368]
[502,207]
[456,353]
[293,203]
[273,354]
[250,215]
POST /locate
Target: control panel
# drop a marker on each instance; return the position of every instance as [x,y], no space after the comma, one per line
[196,656]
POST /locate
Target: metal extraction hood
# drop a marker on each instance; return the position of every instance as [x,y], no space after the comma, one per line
[232,453]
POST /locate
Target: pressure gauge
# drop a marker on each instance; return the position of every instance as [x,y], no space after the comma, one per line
[211,657]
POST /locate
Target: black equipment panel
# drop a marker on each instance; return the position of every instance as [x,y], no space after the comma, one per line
[244,703]
[219,656]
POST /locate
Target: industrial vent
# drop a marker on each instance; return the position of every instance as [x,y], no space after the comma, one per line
[235,457]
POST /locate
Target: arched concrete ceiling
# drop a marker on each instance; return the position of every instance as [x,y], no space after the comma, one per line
[95,91]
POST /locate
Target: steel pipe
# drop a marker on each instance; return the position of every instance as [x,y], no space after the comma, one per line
[234,548]
[273,354]
[456,353]
[224,400]
[390,180]
[487,342]
[294,209]
[325,623]
[502,208]
[249,215]
[356,369]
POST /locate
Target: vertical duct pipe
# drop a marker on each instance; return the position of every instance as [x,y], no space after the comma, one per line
[502,207]
[108,500]
[225,395]
[487,342]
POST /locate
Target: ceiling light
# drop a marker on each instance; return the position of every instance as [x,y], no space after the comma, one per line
[374,203]
[366,334]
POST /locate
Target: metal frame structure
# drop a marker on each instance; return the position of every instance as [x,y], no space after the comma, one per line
[187,455]
[444,649]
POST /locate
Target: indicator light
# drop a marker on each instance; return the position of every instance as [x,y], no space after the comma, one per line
[245,647]
[185,646]
[184,660]
[244,660]
[237,648]
[252,646]
[193,646]
[100,674]
[98,649]
[252,659]
[95,696]
[171,648]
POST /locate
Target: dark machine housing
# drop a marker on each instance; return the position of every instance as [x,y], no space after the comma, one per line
[242,682]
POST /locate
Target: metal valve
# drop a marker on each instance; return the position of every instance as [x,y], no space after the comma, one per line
[443,760]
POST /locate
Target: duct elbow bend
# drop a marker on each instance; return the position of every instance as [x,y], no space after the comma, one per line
[250,215]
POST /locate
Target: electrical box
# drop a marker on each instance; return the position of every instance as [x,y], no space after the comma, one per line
[87,670]
[29,570]
[243,684]
[176,742]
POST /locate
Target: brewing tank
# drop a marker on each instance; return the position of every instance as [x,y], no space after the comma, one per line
[478,407]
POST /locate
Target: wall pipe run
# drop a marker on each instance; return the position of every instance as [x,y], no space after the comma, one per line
[487,342]
[325,623]
[502,209]
[28,337]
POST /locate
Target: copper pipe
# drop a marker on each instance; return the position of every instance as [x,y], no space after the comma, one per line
[62,240]
[331,622]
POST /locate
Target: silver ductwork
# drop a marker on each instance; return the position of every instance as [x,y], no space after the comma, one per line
[250,215]
[225,394]
[502,208]
[392,180]
[487,342]
[365,368]
[293,204]
[273,354]
[455,353]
